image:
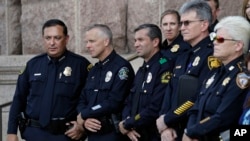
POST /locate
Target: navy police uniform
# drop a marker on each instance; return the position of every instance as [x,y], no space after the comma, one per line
[71,71]
[192,63]
[175,49]
[219,102]
[107,87]
[157,72]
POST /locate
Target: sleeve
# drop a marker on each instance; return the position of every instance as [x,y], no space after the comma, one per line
[19,101]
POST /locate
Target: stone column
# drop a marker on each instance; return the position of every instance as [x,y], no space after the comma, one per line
[10,28]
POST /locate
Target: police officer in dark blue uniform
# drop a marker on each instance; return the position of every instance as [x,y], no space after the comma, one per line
[174,45]
[222,94]
[189,72]
[146,94]
[47,91]
[107,87]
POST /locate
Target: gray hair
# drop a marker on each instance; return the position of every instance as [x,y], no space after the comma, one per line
[201,8]
[237,27]
[105,31]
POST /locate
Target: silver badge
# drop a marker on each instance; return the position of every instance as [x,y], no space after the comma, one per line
[196,61]
[210,81]
[67,71]
[108,76]
[149,77]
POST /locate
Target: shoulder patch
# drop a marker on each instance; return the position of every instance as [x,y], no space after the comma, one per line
[89,67]
[22,70]
[165,77]
[213,62]
[242,80]
[162,60]
[137,117]
[123,73]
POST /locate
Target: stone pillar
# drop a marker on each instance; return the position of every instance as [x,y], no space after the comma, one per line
[10,28]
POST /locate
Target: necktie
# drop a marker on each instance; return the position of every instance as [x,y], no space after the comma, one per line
[46,104]
[136,96]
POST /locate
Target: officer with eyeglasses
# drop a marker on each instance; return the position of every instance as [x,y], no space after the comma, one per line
[222,94]
[189,72]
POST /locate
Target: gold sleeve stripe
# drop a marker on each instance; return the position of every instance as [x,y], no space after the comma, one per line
[187,105]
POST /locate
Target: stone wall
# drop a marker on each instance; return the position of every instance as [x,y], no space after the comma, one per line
[21,20]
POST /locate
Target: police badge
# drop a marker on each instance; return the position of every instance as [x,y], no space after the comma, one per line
[67,71]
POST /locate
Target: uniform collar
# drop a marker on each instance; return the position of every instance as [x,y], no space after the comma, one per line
[233,64]
[57,60]
[206,41]
[108,58]
[155,58]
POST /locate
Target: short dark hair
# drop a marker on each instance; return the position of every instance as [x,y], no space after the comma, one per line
[54,22]
[153,31]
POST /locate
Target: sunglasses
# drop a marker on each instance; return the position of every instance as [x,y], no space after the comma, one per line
[186,23]
[219,39]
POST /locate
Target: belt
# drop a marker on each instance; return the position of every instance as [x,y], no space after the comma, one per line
[33,123]
[55,126]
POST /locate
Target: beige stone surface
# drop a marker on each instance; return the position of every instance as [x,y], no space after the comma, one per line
[22,20]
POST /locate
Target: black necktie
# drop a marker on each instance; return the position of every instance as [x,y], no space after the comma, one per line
[136,96]
[46,104]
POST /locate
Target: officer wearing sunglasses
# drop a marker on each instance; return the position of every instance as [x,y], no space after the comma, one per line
[222,94]
[196,17]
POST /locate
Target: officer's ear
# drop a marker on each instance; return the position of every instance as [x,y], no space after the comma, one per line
[106,42]
[204,25]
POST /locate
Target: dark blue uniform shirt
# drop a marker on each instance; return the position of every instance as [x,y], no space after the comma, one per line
[219,102]
[70,78]
[107,87]
[152,88]
[194,63]
[175,49]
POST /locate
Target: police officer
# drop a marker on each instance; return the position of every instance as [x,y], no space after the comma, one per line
[146,94]
[107,86]
[48,89]
[174,45]
[222,94]
[189,72]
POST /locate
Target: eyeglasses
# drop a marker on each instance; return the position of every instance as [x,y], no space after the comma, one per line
[186,23]
[219,39]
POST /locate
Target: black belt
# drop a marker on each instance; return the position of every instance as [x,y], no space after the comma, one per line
[55,126]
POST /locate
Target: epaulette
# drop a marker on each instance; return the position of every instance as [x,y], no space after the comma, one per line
[22,70]
[213,62]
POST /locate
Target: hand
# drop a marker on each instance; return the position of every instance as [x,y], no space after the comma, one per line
[161,124]
[187,138]
[12,137]
[122,129]
[76,131]
[92,124]
[80,120]
[168,134]
[133,135]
